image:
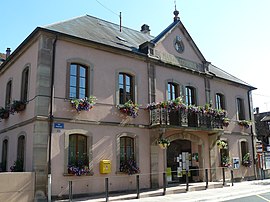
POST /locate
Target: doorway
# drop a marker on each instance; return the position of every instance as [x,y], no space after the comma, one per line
[179,161]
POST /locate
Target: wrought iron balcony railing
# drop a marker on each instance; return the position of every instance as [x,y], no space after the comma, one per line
[185,118]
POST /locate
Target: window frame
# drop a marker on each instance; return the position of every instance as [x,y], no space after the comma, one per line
[125,86]
[244,149]
[125,147]
[77,80]
[84,147]
[8,93]
[4,156]
[171,95]
[220,101]
[89,148]
[240,107]
[21,150]
[136,148]
[190,95]
[25,84]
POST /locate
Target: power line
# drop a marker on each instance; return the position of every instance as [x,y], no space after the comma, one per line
[260,95]
[107,8]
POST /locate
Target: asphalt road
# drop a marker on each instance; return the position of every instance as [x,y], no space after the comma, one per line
[254,198]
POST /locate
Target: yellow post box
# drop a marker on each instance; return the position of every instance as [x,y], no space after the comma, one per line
[105,166]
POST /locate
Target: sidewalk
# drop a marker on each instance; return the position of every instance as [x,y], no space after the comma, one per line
[197,192]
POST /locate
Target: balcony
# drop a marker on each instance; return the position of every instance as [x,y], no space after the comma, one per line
[185,117]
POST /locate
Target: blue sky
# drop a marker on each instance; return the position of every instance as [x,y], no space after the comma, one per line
[231,34]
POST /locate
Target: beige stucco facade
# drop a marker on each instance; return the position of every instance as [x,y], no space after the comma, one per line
[104,124]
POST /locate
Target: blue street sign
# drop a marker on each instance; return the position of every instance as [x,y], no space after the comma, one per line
[59,125]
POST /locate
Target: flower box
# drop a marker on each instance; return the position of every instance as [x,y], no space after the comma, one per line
[129,108]
[4,113]
[129,167]
[83,104]
[244,123]
[79,170]
[17,106]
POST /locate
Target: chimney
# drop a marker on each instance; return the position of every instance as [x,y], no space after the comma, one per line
[8,52]
[257,110]
[145,29]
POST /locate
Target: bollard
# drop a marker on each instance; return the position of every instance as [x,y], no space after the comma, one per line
[138,186]
[164,183]
[70,190]
[232,177]
[106,189]
[223,175]
[186,180]
[206,178]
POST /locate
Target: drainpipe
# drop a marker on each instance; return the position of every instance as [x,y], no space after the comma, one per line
[252,135]
[51,123]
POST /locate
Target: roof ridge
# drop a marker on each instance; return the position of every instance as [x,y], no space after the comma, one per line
[62,21]
[112,23]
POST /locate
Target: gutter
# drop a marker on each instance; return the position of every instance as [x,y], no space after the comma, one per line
[51,118]
[252,135]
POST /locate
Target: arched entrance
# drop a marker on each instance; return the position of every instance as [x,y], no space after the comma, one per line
[183,155]
[179,159]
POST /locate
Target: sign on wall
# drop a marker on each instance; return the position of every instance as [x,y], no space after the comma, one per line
[236,163]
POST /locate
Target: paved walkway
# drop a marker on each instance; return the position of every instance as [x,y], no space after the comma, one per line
[197,192]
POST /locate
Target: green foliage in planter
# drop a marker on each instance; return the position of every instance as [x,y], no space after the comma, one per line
[164,141]
[17,106]
[244,123]
[4,113]
[222,144]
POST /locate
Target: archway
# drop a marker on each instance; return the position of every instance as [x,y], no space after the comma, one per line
[184,155]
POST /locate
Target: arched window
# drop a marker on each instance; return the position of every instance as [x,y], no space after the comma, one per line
[8,93]
[78,81]
[190,95]
[4,156]
[173,91]
[240,109]
[244,148]
[220,101]
[126,88]
[24,86]
[126,149]
[20,152]
[77,153]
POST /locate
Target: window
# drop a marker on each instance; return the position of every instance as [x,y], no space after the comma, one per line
[127,155]
[173,91]
[20,151]
[126,91]
[220,101]
[8,93]
[24,86]
[244,148]
[126,149]
[78,81]
[190,96]
[240,109]
[77,153]
[4,156]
